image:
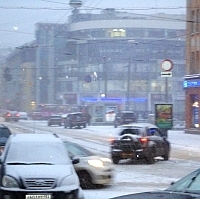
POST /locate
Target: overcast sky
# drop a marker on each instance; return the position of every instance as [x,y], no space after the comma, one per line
[17,17]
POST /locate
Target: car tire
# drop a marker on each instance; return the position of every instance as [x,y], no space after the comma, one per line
[85,180]
[166,155]
[84,125]
[150,158]
[115,159]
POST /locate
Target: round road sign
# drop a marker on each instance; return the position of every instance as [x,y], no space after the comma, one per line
[167,65]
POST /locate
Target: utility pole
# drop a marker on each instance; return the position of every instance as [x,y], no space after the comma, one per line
[128,85]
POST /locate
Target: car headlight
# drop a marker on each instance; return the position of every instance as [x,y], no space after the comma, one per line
[95,163]
[9,182]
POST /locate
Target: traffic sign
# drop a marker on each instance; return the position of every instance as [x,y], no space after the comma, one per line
[167,65]
[166,74]
[88,78]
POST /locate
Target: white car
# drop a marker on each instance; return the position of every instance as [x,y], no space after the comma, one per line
[37,166]
[23,115]
[92,169]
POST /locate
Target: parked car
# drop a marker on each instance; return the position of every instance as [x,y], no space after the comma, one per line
[92,169]
[38,166]
[36,116]
[11,116]
[55,120]
[5,133]
[124,117]
[140,141]
[23,115]
[76,119]
[178,124]
[185,188]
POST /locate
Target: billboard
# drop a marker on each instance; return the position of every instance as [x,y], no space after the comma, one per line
[164,116]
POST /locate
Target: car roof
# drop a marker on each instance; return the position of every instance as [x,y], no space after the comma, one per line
[35,137]
[139,125]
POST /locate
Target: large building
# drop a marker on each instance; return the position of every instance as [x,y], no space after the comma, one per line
[110,60]
[192,77]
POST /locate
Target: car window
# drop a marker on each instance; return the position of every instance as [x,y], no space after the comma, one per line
[4,132]
[76,150]
[131,131]
[54,153]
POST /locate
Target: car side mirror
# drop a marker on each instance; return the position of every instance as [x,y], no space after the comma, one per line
[75,160]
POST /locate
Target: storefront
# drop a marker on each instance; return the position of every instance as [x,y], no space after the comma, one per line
[192,113]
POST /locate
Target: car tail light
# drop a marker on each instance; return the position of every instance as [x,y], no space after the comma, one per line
[1,149]
[17,115]
[8,115]
[111,140]
[144,141]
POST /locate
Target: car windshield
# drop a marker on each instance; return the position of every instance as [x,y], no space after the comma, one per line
[189,183]
[77,150]
[131,131]
[52,153]
[127,115]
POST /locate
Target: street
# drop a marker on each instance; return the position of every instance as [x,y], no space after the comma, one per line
[129,176]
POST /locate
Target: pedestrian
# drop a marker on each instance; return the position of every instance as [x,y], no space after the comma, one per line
[89,117]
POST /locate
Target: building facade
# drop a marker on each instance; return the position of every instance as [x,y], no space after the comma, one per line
[106,61]
[111,61]
[192,77]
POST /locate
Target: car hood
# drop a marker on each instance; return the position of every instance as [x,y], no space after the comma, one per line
[39,171]
[158,195]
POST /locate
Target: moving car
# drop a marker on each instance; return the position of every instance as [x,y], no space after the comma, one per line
[185,188]
[11,116]
[124,117]
[92,169]
[76,119]
[5,133]
[139,141]
[37,166]
[55,120]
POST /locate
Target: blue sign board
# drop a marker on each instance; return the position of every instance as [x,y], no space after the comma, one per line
[191,83]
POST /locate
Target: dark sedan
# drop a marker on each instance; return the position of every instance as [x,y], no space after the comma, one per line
[185,188]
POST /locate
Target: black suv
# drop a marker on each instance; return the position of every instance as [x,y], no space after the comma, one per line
[124,117]
[140,141]
[76,119]
[4,135]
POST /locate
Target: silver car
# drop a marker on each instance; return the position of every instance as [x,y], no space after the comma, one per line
[92,169]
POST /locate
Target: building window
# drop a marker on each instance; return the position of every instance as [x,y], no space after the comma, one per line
[118,33]
[197,62]
[197,21]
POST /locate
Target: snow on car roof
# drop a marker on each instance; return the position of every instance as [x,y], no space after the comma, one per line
[35,137]
[139,125]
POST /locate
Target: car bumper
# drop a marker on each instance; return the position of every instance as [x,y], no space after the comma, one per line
[44,194]
[136,154]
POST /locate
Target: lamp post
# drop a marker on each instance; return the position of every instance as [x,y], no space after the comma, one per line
[105,76]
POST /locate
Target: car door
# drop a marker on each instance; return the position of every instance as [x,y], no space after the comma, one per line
[156,138]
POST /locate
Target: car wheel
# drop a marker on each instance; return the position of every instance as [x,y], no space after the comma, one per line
[115,159]
[84,125]
[166,155]
[150,158]
[70,126]
[85,180]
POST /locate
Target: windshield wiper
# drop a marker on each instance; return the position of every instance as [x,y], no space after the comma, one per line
[17,163]
[27,163]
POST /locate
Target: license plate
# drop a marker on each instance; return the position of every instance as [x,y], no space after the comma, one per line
[38,196]
[130,155]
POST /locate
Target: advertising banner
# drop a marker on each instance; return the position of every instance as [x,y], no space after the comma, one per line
[164,116]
